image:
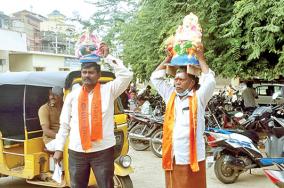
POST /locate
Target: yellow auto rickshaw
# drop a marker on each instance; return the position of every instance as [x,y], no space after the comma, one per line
[21,146]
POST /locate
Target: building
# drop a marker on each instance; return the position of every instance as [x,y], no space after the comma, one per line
[42,61]
[4,21]
[10,41]
[23,48]
[57,35]
[29,23]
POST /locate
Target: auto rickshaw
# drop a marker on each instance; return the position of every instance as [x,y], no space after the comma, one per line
[22,151]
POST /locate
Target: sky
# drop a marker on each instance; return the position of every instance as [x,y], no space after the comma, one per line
[44,7]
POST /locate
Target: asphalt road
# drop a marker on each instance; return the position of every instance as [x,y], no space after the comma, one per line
[149,174]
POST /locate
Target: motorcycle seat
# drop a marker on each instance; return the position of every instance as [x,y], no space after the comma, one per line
[278,131]
[252,135]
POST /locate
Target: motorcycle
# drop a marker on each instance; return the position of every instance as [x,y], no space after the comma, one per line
[276,176]
[147,133]
[138,131]
[223,111]
[236,153]
[158,104]
[156,138]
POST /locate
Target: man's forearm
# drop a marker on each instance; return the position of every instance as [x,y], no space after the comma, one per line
[203,65]
[199,52]
[50,133]
[47,131]
[163,66]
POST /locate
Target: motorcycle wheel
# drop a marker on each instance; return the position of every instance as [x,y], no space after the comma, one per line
[225,173]
[156,143]
[139,145]
[122,182]
[130,125]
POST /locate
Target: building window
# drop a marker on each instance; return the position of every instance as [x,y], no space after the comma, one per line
[64,69]
[39,69]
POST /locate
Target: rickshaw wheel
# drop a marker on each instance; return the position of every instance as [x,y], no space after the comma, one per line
[122,182]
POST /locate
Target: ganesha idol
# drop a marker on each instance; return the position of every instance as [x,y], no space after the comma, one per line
[181,46]
[88,47]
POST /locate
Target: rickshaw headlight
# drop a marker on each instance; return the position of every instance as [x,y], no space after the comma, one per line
[125,161]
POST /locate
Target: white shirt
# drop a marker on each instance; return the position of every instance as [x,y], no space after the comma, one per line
[181,108]
[249,95]
[146,108]
[69,123]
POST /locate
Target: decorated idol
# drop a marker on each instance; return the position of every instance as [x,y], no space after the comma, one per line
[87,46]
[181,45]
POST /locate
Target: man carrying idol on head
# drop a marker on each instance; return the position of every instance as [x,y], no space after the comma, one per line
[183,149]
[87,117]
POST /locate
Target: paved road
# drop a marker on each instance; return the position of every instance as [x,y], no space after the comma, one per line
[149,174]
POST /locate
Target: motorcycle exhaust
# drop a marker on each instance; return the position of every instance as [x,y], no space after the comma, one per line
[138,137]
[234,163]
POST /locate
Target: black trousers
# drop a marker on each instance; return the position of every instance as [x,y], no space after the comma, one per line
[101,162]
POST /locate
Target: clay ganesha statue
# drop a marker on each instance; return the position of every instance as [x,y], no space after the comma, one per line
[181,45]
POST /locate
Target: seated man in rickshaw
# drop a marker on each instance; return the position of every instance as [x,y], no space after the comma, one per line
[49,114]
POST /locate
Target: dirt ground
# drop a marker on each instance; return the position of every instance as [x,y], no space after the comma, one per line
[148,173]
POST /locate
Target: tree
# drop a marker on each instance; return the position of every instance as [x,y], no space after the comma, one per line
[108,19]
[242,38]
[255,40]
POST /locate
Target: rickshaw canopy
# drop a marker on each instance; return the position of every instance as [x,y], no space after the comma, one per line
[45,79]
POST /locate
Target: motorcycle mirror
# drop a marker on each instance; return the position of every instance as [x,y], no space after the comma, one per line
[239,115]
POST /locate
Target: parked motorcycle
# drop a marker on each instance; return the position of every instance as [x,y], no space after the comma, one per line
[158,104]
[138,132]
[156,138]
[221,111]
[276,176]
[147,133]
[236,153]
[131,119]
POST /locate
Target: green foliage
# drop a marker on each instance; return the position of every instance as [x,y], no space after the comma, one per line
[242,38]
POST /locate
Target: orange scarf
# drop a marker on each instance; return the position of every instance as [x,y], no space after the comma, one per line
[168,133]
[96,117]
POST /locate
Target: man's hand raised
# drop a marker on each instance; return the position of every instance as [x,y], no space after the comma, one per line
[104,50]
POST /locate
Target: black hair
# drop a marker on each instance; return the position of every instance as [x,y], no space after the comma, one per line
[148,87]
[191,76]
[141,98]
[249,84]
[91,64]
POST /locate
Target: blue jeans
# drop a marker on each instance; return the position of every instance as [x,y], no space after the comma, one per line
[101,162]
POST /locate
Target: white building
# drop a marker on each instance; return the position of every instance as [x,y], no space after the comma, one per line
[40,61]
[15,57]
[10,41]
